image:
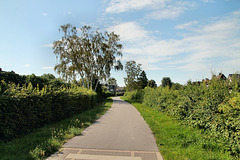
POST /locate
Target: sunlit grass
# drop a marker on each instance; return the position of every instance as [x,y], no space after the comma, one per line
[180,142]
[45,141]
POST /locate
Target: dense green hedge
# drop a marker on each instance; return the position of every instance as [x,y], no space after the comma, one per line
[215,109]
[23,109]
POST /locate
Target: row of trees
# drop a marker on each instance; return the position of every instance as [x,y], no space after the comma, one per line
[137,78]
[36,81]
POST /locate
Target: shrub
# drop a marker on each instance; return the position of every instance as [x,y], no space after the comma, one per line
[213,108]
[23,109]
[136,95]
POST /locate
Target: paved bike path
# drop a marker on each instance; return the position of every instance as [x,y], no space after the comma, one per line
[120,133]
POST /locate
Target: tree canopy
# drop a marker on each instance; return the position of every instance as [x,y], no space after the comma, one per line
[142,80]
[152,83]
[166,81]
[133,71]
[87,53]
[112,81]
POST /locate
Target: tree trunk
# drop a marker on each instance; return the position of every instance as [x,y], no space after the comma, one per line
[81,74]
[96,86]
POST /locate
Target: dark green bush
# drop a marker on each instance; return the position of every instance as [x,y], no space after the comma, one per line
[23,109]
[136,95]
[12,77]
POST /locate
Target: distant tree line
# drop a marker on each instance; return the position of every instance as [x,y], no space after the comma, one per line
[36,81]
[137,79]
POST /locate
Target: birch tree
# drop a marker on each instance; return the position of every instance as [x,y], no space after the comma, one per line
[87,53]
[133,71]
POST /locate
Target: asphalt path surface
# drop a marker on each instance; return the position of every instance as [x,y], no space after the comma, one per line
[120,134]
[121,128]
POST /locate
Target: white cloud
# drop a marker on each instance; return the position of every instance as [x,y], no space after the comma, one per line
[140,46]
[129,31]
[207,1]
[118,6]
[186,25]
[168,12]
[47,45]
[158,9]
[195,67]
[44,14]
[27,65]
[212,44]
[47,68]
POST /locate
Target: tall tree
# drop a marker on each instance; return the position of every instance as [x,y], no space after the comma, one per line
[142,80]
[166,81]
[89,54]
[152,84]
[133,71]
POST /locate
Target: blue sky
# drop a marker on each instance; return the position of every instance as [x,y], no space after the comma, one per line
[181,39]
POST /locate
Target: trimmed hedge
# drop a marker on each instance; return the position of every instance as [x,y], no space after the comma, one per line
[23,109]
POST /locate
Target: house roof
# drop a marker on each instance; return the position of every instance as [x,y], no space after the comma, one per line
[221,76]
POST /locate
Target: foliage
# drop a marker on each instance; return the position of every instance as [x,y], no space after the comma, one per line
[136,95]
[112,81]
[88,54]
[133,71]
[176,86]
[36,81]
[142,80]
[213,108]
[177,141]
[45,141]
[48,76]
[25,108]
[166,81]
[12,77]
[103,94]
[152,83]
[162,98]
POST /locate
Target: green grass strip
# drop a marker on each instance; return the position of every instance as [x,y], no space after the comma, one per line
[45,141]
[180,142]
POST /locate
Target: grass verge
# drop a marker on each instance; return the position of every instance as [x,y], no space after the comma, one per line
[177,141]
[45,141]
